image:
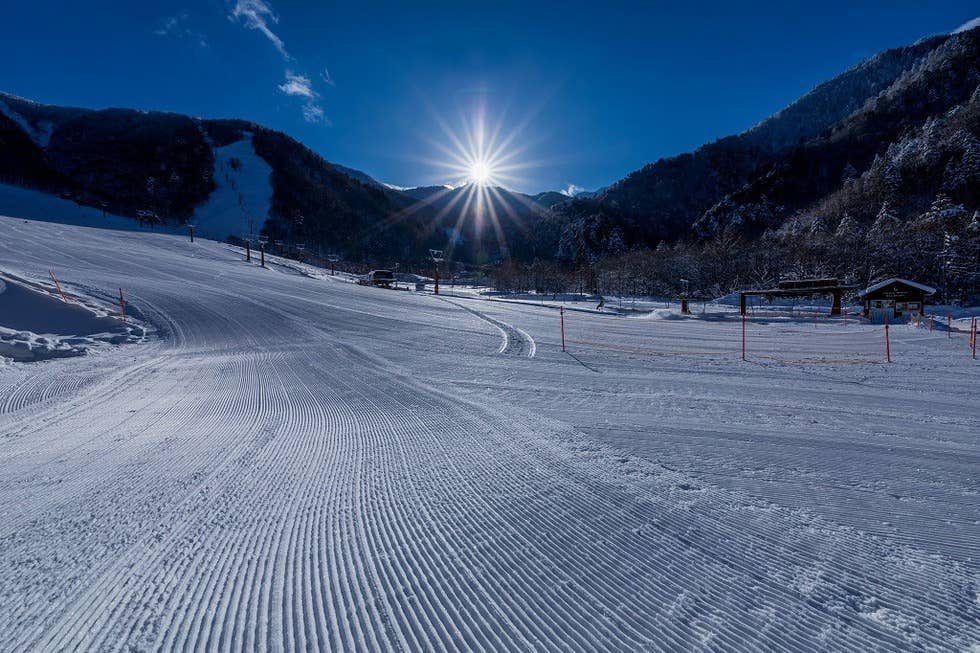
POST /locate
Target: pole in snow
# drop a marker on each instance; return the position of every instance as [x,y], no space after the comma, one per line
[743,337]
[437,256]
[949,325]
[122,305]
[58,286]
[262,254]
[248,251]
[888,345]
[973,339]
[561,315]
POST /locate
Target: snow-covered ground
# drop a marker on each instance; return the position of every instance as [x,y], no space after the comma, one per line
[38,323]
[297,463]
[25,203]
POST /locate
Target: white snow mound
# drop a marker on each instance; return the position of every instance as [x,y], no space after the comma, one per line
[35,325]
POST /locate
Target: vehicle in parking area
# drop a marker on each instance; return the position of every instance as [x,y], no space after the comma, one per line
[383,278]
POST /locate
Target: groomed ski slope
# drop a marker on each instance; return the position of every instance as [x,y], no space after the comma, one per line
[300,463]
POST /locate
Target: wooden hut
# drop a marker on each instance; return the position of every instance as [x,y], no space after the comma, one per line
[898,300]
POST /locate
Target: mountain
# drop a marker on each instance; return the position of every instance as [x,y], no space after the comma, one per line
[168,168]
[875,171]
[900,130]
[173,169]
[362,177]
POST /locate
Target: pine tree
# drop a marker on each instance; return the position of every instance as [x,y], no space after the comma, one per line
[885,220]
[849,229]
[962,174]
[819,226]
[943,211]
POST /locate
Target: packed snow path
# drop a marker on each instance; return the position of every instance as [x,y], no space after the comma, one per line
[305,464]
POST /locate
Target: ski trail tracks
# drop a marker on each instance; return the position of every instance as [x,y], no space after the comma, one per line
[285,469]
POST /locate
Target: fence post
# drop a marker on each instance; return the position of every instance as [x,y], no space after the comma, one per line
[58,286]
[248,251]
[932,321]
[262,254]
[973,340]
[122,305]
[743,337]
[561,315]
[949,325]
[888,345]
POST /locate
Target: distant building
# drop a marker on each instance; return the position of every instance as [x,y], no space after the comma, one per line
[898,300]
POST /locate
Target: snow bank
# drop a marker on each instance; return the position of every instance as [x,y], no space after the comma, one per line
[36,325]
[243,192]
[34,205]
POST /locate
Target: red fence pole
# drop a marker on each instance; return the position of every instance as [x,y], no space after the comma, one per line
[561,314]
[888,345]
[122,305]
[58,286]
[743,337]
[973,344]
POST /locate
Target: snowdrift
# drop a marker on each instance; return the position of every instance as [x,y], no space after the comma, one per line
[35,325]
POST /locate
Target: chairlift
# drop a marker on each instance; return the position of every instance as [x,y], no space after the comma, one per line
[436,255]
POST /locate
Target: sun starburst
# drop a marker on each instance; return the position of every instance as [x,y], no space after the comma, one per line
[480,162]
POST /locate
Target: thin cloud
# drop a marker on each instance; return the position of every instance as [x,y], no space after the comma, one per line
[256,14]
[313,113]
[259,15]
[297,85]
[178,27]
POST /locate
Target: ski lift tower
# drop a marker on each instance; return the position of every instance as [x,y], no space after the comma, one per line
[247,237]
[263,241]
[437,257]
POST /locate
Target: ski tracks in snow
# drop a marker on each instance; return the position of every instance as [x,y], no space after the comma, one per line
[514,341]
[265,478]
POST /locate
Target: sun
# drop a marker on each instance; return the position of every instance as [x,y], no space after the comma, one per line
[479,162]
[480,172]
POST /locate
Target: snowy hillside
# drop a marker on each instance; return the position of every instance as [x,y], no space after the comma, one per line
[297,463]
[240,202]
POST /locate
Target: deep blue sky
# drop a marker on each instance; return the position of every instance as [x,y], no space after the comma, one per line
[591,90]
